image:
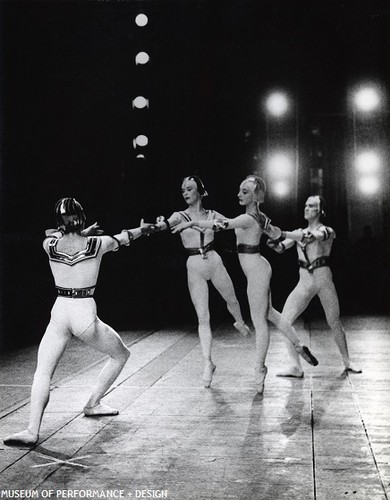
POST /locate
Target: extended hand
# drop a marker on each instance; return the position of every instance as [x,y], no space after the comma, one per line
[93,230]
[147,228]
[181,226]
[272,243]
[307,238]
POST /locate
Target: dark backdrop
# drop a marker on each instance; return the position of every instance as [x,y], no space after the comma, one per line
[68,79]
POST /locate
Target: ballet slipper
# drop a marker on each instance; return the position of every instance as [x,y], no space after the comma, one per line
[292,372]
[352,369]
[208,373]
[99,410]
[242,328]
[25,438]
[304,351]
[260,374]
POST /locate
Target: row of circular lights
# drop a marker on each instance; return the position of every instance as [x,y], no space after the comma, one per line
[141,102]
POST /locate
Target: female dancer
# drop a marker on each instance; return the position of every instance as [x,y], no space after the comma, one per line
[248,228]
[203,264]
[75,259]
[315,278]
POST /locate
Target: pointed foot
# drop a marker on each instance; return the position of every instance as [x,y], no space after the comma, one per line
[242,328]
[100,410]
[305,353]
[353,369]
[292,372]
[208,374]
[260,374]
[24,438]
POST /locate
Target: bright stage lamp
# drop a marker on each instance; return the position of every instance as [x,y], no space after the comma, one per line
[369,184]
[277,104]
[142,58]
[281,189]
[367,162]
[140,102]
[280,165]
[367,99]
[140,140]
[141,20]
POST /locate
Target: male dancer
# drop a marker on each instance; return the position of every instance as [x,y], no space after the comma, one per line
[74,259]
[315,278]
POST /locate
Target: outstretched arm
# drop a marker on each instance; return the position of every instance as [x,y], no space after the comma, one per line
[242,221]
[280,245]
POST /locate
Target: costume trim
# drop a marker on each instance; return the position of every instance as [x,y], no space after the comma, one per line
[201,250]
[319,262]
[90,252]
[76,293]
[244,248]
[262,220]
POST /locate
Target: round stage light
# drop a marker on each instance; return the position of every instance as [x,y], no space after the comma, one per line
[367,99]
[142,58]
[367,162]
[140,102]
[369,184]
[281,189]
[140,140]
[277,104]
[280,165]
[141,20]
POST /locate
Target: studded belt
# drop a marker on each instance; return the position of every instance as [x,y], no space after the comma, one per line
[320,262]
[200,251]
[244,248]
[76,293]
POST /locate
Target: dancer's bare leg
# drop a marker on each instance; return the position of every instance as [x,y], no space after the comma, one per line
[258,290]
[330,303]
[290,334]
[296,303]
[223,283]
[105,339]
[50,350]
[199,292]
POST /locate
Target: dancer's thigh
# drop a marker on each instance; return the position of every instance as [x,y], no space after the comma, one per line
[298,300]
[199,292]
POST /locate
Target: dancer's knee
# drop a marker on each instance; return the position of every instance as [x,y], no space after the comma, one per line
[123,355]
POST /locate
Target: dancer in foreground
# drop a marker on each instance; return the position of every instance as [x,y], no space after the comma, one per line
[203,265]
[249,228]
[315,278]
[75,259]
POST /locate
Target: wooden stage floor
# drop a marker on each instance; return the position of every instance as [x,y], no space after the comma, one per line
[323,437]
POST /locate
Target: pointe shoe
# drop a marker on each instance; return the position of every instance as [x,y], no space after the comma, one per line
[260,374]
[304,351]
[242,328]
[99,410]
[24,438]
[352,369]
[208,374]
[292,372]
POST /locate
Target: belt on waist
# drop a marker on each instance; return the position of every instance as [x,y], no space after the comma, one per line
[320,262]
[200,251]
[76,293]
[244,248]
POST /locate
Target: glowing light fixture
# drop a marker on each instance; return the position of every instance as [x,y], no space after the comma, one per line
[141,20]
[367,99]
[142,58]
[277,104]
[367,162]
[140,102]
[369,184]
[140,140]
[280,165]
[281,188]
